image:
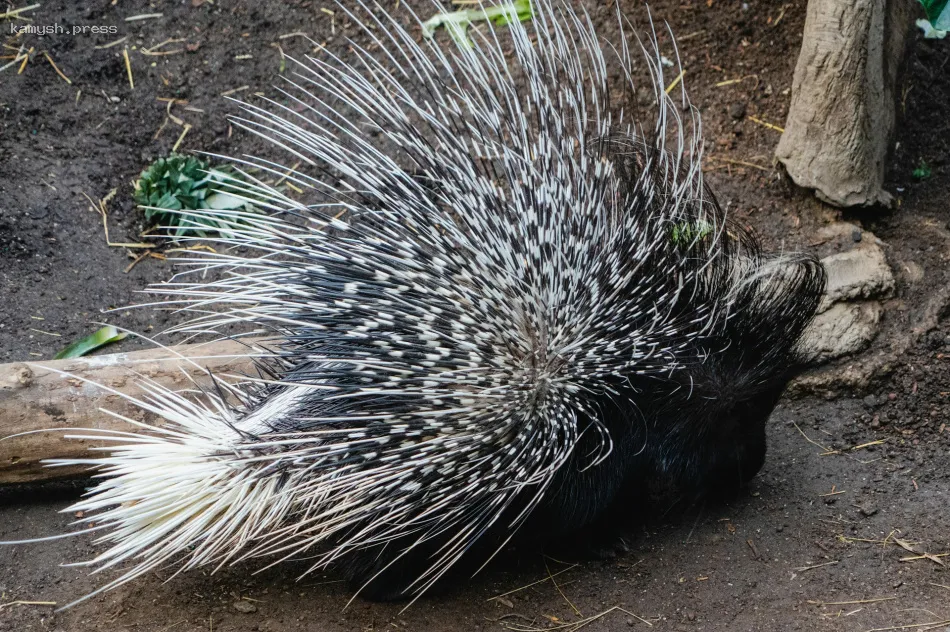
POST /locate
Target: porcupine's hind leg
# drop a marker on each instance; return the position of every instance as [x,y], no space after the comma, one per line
[590,509]
[607,536]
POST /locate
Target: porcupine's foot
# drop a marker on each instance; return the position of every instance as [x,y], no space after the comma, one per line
[606,539]
[594,544]
[609,535]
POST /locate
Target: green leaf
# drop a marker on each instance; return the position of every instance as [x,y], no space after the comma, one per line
[923,171]
[689,233]
[456,23]
[519,10]
[938,12]
[106,335]
[168,201]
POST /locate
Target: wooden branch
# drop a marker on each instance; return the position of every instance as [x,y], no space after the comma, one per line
[34,397]
[842,117]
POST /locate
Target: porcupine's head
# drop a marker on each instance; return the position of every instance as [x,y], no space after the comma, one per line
[518,296]
[709,416]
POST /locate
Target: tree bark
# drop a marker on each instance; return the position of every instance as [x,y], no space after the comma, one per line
[842,118]
[33,397]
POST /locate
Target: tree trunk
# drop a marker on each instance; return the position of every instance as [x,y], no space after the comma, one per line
[842,117]
[34,397]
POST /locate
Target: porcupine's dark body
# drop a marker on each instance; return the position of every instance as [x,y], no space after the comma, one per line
[532,312]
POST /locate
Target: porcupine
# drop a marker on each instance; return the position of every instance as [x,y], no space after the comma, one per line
[530,307]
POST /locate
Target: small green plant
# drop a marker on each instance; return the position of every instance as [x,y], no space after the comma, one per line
[185,183]
[456,23]
[687,233]
[923,171]
[938,18]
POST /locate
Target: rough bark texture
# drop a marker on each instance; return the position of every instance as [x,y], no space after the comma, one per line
[35,397]
[842,116]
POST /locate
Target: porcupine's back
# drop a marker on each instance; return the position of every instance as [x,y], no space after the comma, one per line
[539,307]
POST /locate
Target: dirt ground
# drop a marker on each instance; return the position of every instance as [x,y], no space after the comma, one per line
[815,544]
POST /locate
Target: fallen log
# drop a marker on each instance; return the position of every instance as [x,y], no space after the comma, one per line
[34,396]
